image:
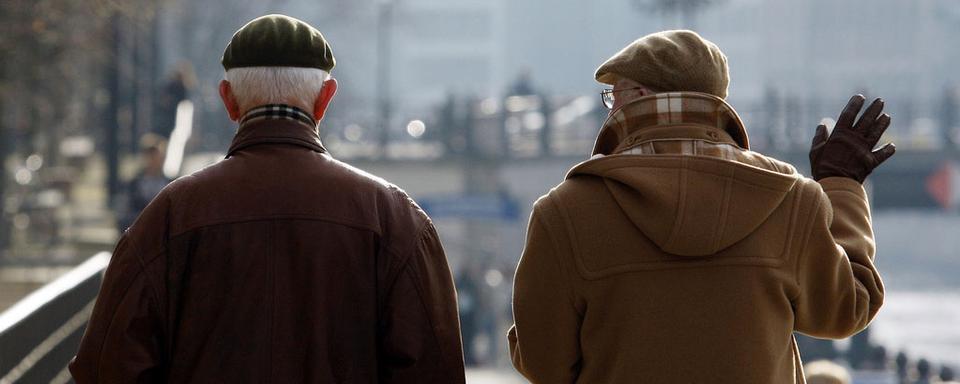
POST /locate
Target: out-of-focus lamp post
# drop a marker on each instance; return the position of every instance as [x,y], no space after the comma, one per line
[383,89]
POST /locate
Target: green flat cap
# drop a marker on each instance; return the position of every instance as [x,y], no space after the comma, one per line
[670,61]
[278,41]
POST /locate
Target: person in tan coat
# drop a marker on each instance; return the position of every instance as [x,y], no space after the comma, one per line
[677,255]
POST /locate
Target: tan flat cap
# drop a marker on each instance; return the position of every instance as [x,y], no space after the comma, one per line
[670,61]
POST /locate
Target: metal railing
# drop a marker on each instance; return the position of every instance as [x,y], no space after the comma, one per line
[41,333]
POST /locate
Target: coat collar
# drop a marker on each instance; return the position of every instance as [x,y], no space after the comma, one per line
[671,115]
[278,111]
[282,131]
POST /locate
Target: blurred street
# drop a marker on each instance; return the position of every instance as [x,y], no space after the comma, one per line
[475,108]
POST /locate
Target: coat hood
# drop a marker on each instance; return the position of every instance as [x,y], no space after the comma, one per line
[691,205]
[679,166]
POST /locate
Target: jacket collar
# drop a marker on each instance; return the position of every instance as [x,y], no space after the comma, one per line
[275,130]
[671,115]
[278,111]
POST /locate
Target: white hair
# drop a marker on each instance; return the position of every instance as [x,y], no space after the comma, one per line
[253,86]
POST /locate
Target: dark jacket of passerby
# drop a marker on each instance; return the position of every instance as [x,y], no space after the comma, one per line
[279,264]
[676,256]
[140,192]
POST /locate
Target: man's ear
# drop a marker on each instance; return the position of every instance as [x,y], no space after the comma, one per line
[323,99]
[229,101]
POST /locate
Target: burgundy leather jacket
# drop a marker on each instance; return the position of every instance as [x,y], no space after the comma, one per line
[278,264]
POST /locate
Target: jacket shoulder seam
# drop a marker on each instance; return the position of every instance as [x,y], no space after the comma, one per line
[419,216]
[113,316]
[423,307]
[793,222]
[847,192]
[143,262]
[252,218]
[810,222]
[551,205]
[404,262]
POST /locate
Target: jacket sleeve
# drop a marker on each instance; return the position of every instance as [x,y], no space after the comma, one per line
[122,341]
[544,340]
[840,290]
[420,327]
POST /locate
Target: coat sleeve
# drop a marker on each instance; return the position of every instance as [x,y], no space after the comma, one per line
[545,337]
[122,341]
[420,328]
[840,290]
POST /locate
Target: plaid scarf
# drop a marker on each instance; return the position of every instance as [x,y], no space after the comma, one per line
[669,109]
[278,111]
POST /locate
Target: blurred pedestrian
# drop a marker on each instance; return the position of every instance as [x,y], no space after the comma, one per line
[877,360]
[826,372]
[924,372]
[469,292]
[947,374]
[175,89]
[148,182]
[278,264]
[677,255]
[903,367]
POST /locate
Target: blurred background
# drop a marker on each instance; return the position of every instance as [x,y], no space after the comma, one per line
[476,108]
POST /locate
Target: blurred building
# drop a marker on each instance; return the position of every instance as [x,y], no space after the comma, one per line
[810,56]
[445,46]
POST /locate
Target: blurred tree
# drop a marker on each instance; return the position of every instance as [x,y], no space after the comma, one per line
[949,117]
[469,126]
[774,120]
[792,119]
[686,9]
[5,144]
[51,50]
[546,132]
[129,32]
[449,126]
[59,48]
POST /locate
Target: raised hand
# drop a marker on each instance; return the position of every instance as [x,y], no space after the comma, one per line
[849,150]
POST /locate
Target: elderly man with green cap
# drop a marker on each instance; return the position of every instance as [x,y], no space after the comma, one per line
[677,255]
[279,264]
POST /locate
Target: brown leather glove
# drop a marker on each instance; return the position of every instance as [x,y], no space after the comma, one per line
[848,151]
